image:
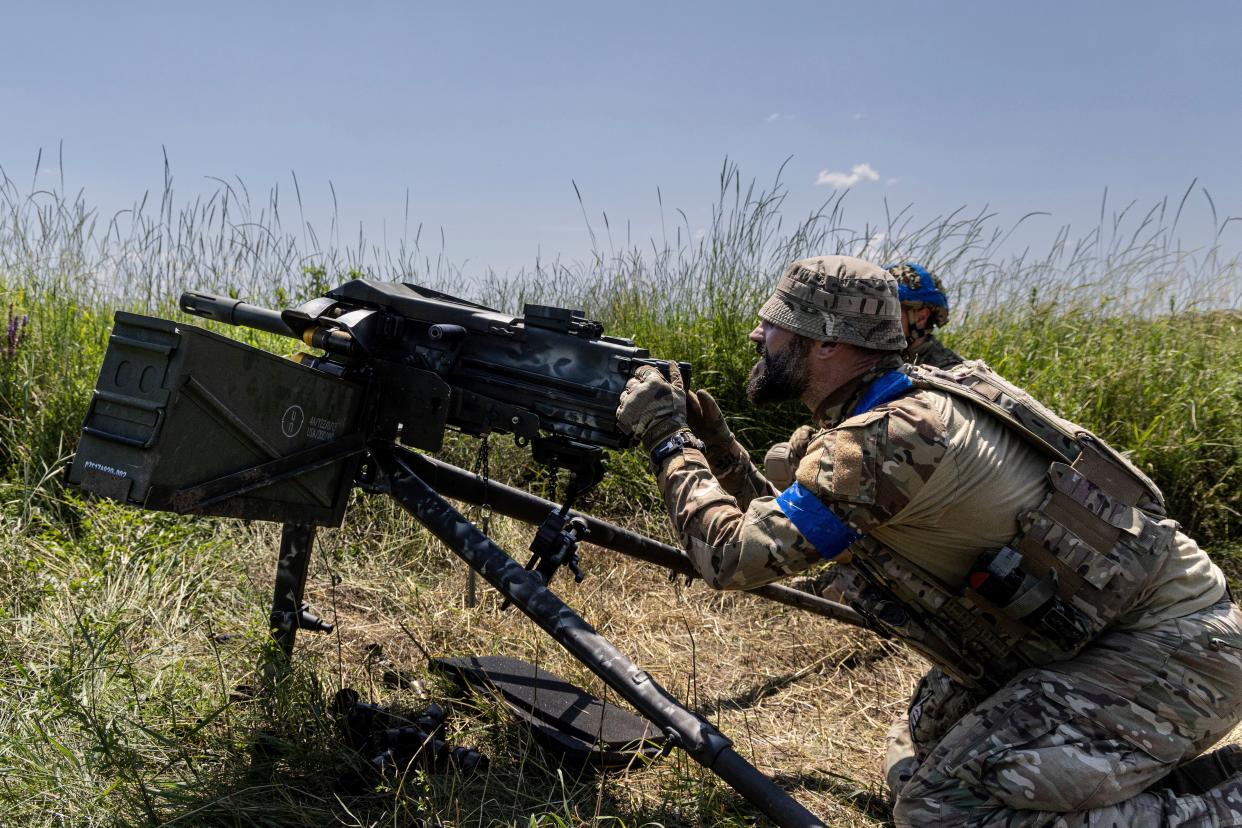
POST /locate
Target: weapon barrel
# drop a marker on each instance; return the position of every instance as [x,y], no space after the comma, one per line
[462,485]
[234,312]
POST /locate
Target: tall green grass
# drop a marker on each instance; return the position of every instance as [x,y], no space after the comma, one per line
[1122,328]
[116,703]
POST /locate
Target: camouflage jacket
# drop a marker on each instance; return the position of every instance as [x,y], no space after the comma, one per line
[928,475]
[931,351]
[725,513]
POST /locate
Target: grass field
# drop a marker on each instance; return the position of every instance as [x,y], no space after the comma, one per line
[125,635]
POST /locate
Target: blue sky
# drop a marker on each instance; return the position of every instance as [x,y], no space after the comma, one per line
[485,113]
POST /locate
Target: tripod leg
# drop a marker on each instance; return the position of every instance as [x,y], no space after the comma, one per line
[526,590]
[296,540]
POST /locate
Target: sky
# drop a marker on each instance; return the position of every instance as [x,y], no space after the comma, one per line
[485,115]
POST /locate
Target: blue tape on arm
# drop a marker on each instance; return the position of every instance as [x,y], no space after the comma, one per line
[827,533]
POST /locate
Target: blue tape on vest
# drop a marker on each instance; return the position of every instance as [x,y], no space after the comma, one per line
[827,533]
[885,389]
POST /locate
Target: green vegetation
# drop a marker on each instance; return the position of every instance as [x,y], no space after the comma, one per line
[125,635]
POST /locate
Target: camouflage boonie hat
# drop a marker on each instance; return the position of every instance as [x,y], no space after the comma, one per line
[838,299]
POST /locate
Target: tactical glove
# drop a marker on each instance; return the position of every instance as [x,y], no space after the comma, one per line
[708,424]
[706,420]
[653,408]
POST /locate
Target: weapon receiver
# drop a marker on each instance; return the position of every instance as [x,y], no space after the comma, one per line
[442,361]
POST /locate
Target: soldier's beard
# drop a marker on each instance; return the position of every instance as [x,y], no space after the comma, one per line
[780,377]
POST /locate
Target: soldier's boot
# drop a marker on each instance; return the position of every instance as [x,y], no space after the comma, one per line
[900,761]
[1203,773]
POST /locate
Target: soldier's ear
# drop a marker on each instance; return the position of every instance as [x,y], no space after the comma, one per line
[827,350]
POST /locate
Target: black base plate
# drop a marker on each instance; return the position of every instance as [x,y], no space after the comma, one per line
[571,724]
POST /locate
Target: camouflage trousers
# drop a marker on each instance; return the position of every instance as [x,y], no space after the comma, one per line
[1080,742]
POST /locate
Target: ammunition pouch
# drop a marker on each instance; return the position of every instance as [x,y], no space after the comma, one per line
[780,466]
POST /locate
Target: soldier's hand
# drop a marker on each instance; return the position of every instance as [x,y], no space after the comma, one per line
[653,408]
[780,464]
[720,446]
[800,441]
[705,419]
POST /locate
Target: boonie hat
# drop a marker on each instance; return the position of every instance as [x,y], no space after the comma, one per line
[838,299]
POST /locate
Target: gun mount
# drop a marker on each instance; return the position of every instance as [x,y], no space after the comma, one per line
[188,421]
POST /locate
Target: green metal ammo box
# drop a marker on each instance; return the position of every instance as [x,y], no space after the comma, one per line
[185,420]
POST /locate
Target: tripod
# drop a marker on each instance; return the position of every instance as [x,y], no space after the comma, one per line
[399,473]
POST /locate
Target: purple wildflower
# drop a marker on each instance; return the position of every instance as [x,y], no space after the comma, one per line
[15,332]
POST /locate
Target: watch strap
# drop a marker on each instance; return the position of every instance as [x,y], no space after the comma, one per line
[678,442]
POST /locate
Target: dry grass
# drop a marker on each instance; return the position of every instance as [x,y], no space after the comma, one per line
[806,699]
[126,682]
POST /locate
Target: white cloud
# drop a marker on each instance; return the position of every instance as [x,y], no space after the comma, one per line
[858,116]
[840,180]
[774,116]
[871,245]
[893,181]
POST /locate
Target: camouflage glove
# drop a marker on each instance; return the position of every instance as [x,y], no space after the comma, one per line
[652,408]
[708,424]
[780,464]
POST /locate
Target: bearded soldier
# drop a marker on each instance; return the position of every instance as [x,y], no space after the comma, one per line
[1084,646]
[924,307]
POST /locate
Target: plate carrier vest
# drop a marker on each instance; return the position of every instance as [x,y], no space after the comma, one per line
[1091,547]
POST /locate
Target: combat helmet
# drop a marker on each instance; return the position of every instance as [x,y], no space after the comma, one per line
[918,287]
[838,299]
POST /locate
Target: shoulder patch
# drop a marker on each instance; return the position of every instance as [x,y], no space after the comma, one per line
[847,463]
[818,454]
[842,464]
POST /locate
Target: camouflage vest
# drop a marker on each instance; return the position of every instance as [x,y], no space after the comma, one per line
[1088,550]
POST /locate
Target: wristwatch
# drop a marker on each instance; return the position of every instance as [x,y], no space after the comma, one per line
[680,441]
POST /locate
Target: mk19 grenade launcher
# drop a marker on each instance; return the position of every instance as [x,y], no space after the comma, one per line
[188,421]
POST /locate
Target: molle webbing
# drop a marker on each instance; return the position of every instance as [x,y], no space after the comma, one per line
[1060,440]
[900,599]
[1094,542]
[980,390]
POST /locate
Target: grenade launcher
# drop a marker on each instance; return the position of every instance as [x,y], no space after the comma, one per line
[399,364]
[188,421]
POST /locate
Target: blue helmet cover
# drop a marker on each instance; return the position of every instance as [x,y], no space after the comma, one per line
[926,292]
